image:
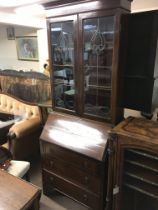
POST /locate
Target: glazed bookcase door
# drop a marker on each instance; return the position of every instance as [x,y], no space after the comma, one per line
[84,57]
[100,35]
[63,62]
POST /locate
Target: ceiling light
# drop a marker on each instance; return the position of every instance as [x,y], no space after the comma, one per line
[15,3]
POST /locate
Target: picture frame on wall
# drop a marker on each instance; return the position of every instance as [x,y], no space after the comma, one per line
[10,33]
[27,48]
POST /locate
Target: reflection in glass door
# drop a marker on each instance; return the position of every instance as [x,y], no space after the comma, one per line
[97,58]
[63,64]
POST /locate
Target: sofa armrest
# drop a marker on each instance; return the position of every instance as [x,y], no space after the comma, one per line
[24,127]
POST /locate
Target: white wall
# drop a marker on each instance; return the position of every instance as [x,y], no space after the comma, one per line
[43,47]
[144,5]
[8,52]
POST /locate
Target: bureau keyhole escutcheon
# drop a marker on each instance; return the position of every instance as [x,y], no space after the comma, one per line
[51,163]
[85,164]
[86,179]
[85,197]
[51,179]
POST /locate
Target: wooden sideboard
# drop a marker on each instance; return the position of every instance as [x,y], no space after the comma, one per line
[133,168]
[74,158]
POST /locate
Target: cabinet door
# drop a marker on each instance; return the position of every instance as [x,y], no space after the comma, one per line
[142,34]
[135,162]
[98,52]
[62,35]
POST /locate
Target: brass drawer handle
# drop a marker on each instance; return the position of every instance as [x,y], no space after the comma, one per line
[86,178]
[85,197]
[51,163]
[85,164]
[51,179]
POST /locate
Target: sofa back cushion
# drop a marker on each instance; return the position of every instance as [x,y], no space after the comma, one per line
[11,105]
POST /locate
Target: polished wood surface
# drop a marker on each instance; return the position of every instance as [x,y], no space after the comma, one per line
[140,128]
[83,136]
[16,194]
[74,158]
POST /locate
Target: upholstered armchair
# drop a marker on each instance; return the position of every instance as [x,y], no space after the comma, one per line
[23,134]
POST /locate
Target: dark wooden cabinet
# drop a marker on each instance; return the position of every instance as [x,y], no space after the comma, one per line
[84,45]
[140,71]
[74,158]
[134,165]
[84,57]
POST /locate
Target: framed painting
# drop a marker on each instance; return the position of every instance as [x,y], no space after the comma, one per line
[10,33]
[27,48]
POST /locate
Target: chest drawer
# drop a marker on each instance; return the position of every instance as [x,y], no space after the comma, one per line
[82,162]
[53,182]
[76,175]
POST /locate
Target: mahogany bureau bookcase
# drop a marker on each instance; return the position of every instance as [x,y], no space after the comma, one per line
[84,45]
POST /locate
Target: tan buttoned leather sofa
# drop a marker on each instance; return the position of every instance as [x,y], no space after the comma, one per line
[24,133]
